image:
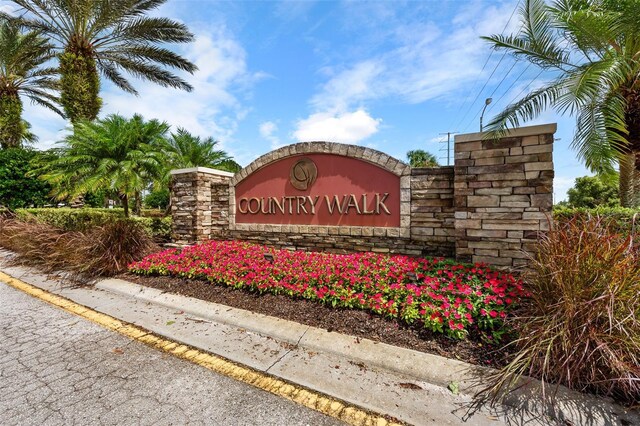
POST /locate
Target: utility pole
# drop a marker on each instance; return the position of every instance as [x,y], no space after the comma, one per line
[448,145]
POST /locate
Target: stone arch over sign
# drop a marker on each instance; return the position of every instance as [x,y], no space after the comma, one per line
[367,155]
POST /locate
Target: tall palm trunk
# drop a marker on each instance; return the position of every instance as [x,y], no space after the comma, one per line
[124,199]
[630,161]
[629,181]
[11,127]
[79,84]
[137,206]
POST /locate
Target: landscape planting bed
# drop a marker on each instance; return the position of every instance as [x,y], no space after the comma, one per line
[432,305]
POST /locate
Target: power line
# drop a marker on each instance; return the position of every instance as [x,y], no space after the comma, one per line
[526,87]
[481,90]
[513,83]
[474,85]
[483,67]
[494,91]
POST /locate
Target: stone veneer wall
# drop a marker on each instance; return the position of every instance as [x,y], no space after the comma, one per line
[432,210]
[487,208]
[196,195]
[503,194]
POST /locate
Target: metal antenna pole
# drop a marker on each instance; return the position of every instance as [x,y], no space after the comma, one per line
[449,145]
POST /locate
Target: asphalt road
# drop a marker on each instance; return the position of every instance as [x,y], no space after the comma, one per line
[57,368]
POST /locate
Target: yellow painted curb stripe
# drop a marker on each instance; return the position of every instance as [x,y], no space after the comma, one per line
[308,398]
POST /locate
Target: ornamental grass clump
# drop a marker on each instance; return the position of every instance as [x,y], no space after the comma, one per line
[99,251]
[580,326]
[443,296]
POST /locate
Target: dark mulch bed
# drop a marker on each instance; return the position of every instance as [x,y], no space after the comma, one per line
[347,321]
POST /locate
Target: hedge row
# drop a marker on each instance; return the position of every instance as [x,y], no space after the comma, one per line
[621,219]
[84,219]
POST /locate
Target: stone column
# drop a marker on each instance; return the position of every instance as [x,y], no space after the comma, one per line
[199,204]
[432,210]
[503,194]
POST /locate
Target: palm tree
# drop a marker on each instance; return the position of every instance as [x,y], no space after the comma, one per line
[115,154]
[106,37]
[187,151]
[421,158]
[22,56]
[591,48]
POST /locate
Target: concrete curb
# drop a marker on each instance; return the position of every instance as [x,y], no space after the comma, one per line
[422,366]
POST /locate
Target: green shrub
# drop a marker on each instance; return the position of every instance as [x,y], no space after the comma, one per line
[594,191]
[69,219]
[157,199]
[158,227]
[95,199]
[621,219]
[17,190]
[580,327]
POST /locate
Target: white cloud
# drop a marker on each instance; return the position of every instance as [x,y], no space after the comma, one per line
[213,108]
[7,8]
[561,184]
[346,127]
[267,130]
[426,61]
[348,87]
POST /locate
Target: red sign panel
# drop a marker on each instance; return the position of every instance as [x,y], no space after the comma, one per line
[319,189]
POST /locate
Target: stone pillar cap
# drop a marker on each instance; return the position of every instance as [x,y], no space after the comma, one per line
[542,129]
[202,170]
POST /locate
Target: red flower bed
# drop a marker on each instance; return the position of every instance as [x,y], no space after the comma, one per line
[446,297]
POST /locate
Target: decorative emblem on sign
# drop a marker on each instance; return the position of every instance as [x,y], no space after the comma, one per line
[303,173]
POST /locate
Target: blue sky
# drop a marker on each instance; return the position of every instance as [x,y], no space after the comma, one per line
[390,75]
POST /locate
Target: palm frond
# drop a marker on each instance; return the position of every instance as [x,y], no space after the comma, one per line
[118,34]
[146,54]
[527,108]
[44,99]
[153,30]
[110,71]
[590,30]
[148,71]
[593,47]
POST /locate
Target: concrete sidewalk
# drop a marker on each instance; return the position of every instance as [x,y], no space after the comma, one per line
[408,385]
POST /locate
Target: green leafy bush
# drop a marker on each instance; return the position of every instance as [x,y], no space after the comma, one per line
[69,219]
[17,190]
[580,327]
[95,199]
[621,219]
[594,191]
[157,199]
[158,227]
